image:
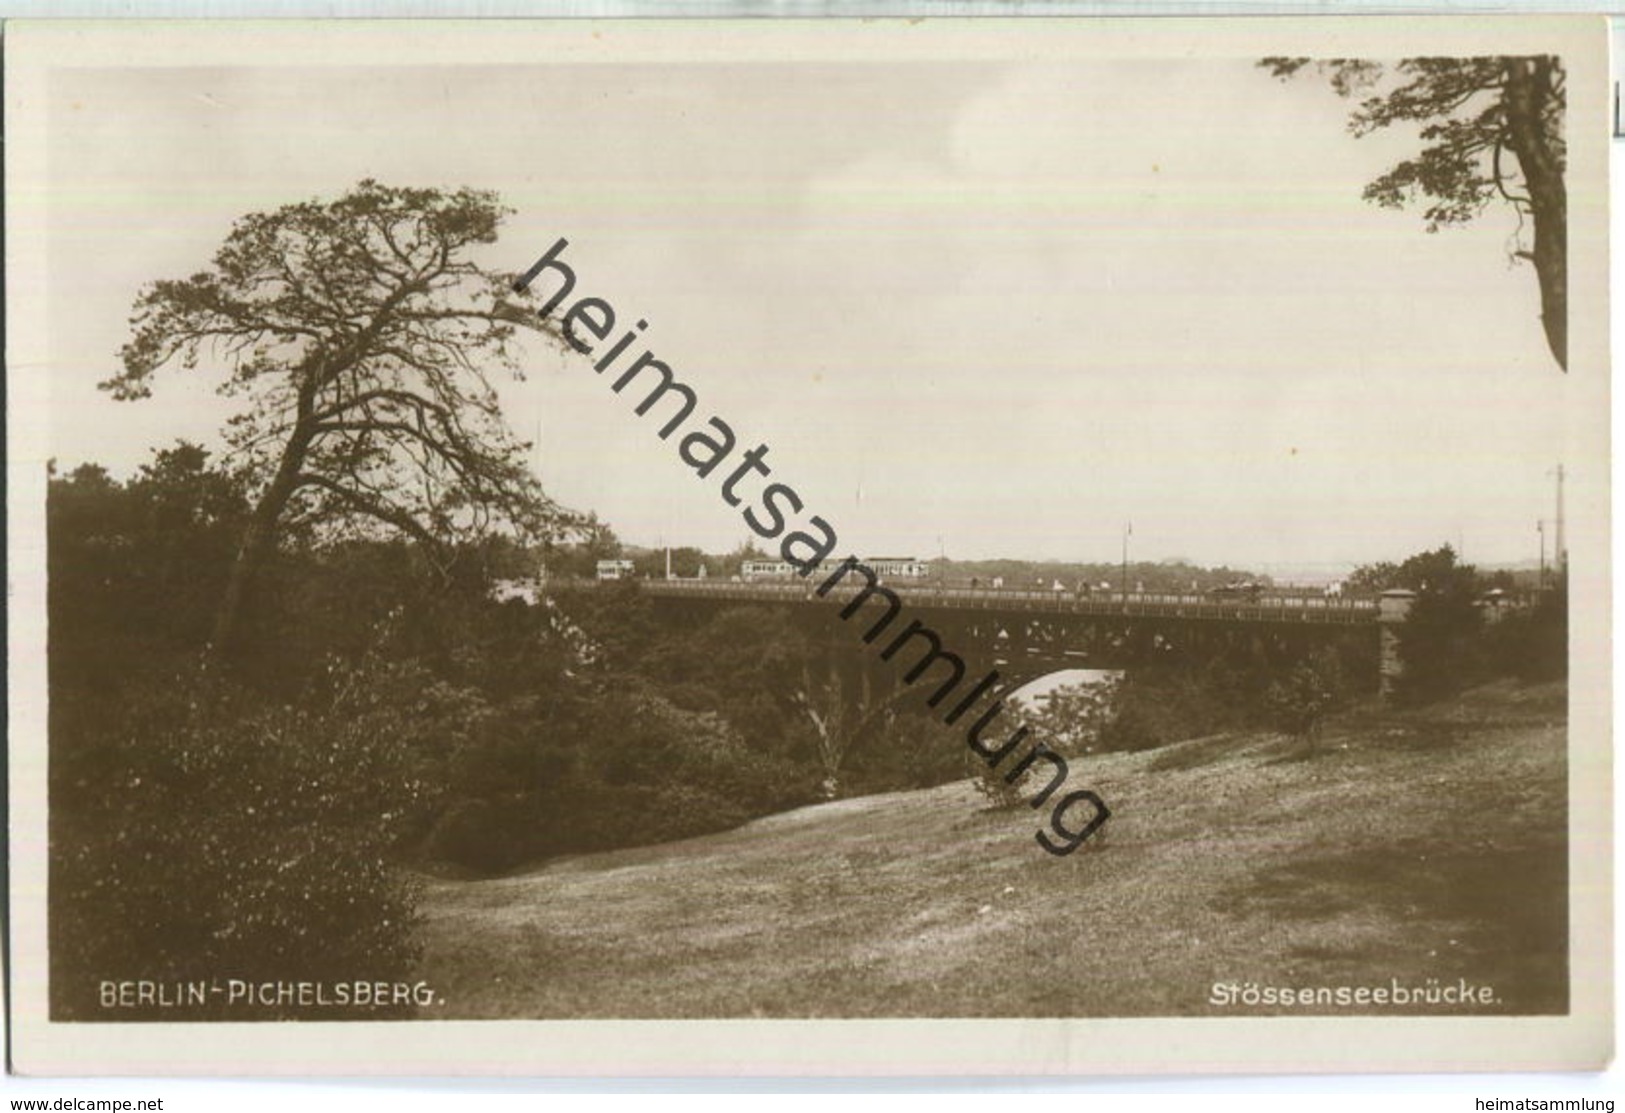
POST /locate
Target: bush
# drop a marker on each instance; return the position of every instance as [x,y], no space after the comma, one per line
[214,836]
[598,769]
[908,749]
[1534,644]
[1310,691]
[990,782]
[1440,647]
[486,835]
[1155,707]
[1071,719]
[1071,722]
[1134,728]
[655,771]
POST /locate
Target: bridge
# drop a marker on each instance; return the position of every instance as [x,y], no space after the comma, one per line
[1028,633]
[1265,608]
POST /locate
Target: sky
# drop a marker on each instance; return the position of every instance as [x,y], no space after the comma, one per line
[986,308]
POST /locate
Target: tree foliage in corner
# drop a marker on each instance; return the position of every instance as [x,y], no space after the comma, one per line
[360,337]
[1491,129]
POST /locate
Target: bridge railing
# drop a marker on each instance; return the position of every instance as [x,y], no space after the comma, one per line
[1264,608]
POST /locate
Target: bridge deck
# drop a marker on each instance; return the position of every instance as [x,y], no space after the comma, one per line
[1278,608]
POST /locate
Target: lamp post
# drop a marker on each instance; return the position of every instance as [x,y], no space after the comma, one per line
[1560,552]
[1128,531]
[1560,549]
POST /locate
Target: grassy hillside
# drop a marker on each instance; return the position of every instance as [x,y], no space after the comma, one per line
[1413,845]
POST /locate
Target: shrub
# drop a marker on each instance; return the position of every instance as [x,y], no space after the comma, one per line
[1440,646]
[214,836]
[486,835]
[990,782]
[1533,644]
[599,768]
[1132,729]
[1311,690]
[1070,720]
[914,750]
[1155,707]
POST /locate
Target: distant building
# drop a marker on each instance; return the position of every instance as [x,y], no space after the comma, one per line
[615,569]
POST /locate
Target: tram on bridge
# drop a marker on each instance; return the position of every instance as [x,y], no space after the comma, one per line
[892,568]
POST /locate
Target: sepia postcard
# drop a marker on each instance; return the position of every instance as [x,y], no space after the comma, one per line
[793,547]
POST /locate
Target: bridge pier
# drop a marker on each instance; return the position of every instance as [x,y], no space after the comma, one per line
[1392,610]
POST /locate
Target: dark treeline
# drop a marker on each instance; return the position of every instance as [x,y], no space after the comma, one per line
[1468,626]
[1465,627]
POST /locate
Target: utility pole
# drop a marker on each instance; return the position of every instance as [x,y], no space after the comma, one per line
[1540,528]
